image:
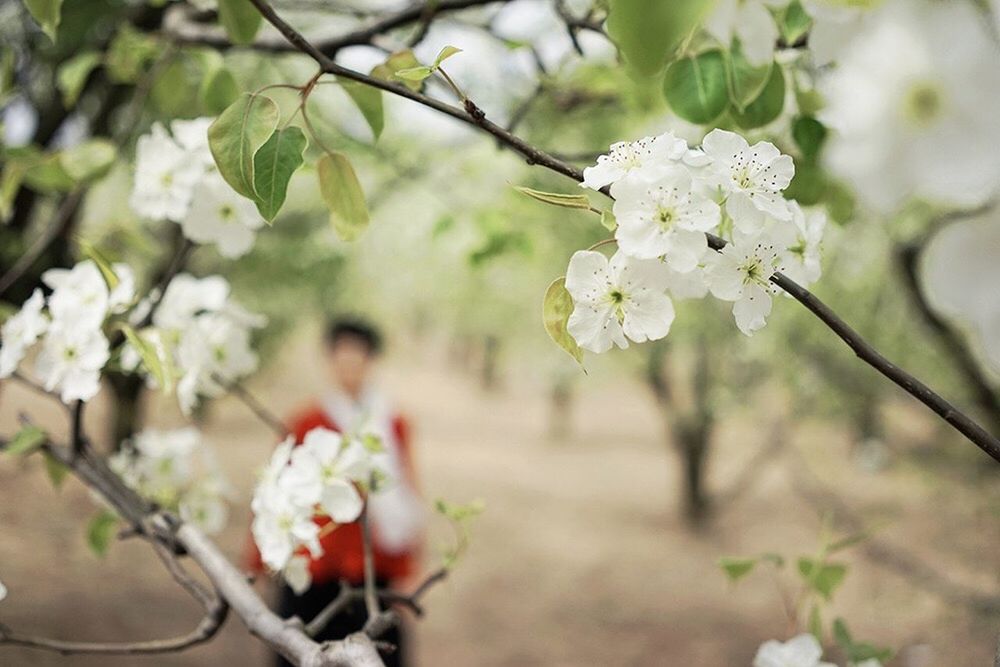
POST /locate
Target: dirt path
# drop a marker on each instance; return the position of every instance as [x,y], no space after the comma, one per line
[578,560]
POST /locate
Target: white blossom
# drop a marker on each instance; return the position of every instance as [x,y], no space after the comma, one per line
[71,360]
[281,527]
[192,136]
[801,260]
[220,215]
[753,176]
[800,651]
[741,273]
[625,157]
[165,176]
[664,217]
[912,106]
[20,332]
[616,300]
[213,352]
[319,475]
[297,575]
[80,296]
[3,592]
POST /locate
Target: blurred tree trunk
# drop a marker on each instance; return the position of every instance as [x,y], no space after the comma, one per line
[688,430]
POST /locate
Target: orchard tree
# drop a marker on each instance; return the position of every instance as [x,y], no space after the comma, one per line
[149,146]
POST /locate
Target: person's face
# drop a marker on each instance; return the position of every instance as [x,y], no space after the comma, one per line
[350,363]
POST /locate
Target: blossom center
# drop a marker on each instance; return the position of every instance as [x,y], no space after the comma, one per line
[923,103]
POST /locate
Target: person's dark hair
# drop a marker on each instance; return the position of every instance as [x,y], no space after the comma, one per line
[339,328]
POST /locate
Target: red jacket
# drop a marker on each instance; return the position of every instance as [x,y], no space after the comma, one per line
[342,547]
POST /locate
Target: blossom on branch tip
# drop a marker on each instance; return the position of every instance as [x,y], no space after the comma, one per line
[617,300]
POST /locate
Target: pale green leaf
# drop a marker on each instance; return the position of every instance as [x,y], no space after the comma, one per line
[444,54]
[89,160]
[416,74]
[72,75]
[25,441]
[608,220]
[647,32]
[149,356]
[695,87]
[101,530]
[56,471]
[236,136]
[273,166]
[47,13]
[824,578]
[218,90]
[343,195]
[394,63]
[47,175]
[556,198]
[737,568]
[240,19]
[91,252]
[557,306]
[369,103]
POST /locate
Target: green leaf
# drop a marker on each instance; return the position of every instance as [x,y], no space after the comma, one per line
[10,182]
[368,100]
[218,90]
[91,252]
[417,74]
[695,87]
[56,471]
[47,13]
[72,75]
[47,175]
[128,54]
[236,136]
[240,19]
[809,135]
[737,568]
[101,530]
[444,54]
[341,190]
[89,160]
[768,105]
[556,198]
[400,60]
[459,513]
[149,355]
[273,166]
[647,32]
[746,82]
[809,184]
[793,22]
[824,578]
[857,651]
[557,306]
[27,440]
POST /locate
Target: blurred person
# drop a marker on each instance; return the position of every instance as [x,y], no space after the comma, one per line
[351,349]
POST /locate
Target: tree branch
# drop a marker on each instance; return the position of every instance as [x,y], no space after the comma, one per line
[474,116]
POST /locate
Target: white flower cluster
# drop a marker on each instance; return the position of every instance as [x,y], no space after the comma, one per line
[176,470]
[69,325]
[319,478]
[667,197]
[176,179]
[800,651]
[202,337]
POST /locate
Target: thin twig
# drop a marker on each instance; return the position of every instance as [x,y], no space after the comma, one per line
[256,407]
[63,217]
[371,597]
